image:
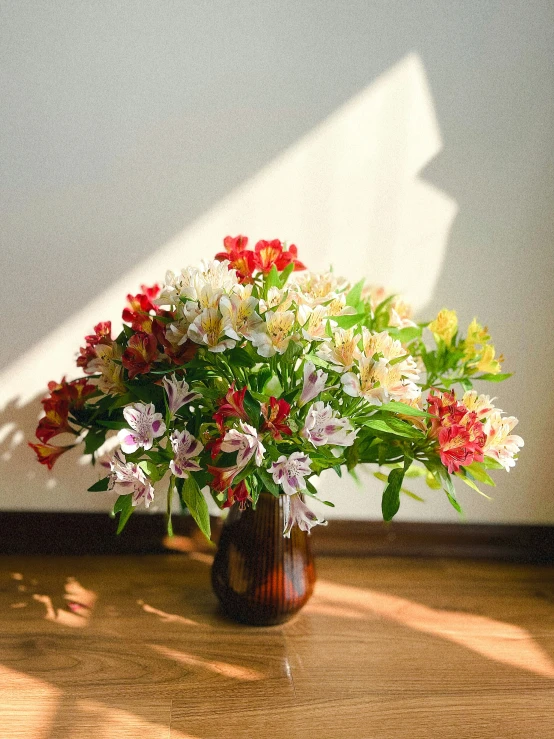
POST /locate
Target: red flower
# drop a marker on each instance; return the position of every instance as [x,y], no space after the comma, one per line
[214,445]
[137,313]
[288,256]
[275,416]
[239,495]
[74,392]
[48,454]
[223,477]
[102,335]
[241,259]
[54,421]
[232,406]
[267,254]
[142,350]
[456,448]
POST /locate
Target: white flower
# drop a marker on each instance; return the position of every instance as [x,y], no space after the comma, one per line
[146,425]
[297,512]
[313,288]
[481,405]
[131,479]
[290,472]
[323,426]
[246,443]
[239,314]
[312,321]
[501,444]
[274,335]
[185,446]
[314,383]
[178,393]
[340,350]
[279,299]
[208,328]
[379,382]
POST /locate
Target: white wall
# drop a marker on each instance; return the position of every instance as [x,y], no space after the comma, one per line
[411,142]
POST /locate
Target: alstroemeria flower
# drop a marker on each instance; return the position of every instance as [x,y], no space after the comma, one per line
[314,383]
[379,382]
[223,476]
[313,322]
[457,449]
[137,312]
[55,419]
[111,373]
[185,446]
[267,253]
[146,425]
[209,328]
[238,494]
[274,335]
[141,352]
[246,443]
[178,393]
[102,335]
[239,314]
[341,350]
[323,426]
[47,454]
[500,443]
[130,478]
[289,472]
[275,415]
[297,513]
[240,258]
[232,406]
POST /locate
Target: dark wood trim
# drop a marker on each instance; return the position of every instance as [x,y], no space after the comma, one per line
[41,533]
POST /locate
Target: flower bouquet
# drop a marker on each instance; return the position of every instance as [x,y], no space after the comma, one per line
[250,375]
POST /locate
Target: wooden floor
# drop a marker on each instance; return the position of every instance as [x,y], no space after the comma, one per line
[129,647]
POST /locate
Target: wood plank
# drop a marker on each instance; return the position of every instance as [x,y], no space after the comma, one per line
[128,646]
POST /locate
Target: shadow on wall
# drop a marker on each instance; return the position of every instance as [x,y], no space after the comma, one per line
[350,184]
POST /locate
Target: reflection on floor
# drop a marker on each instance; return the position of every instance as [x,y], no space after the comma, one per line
[387,648]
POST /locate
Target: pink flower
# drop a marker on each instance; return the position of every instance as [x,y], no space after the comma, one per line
[178,393]
[297,512]
[314,383]
[322,426]
[131,478]
[246,443]
[185,446]
[146,425]
[290,472]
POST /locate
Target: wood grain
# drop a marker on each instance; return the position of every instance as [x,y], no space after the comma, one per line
[122,647]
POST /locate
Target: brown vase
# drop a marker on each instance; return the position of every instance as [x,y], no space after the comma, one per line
[261,577]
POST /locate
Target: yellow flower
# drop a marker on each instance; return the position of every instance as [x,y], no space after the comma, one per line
[476,334]
[445,326]
[487,362]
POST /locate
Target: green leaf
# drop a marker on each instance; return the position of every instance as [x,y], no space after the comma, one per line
[405,335]
[94,440]
[354,296]
[268,483]
[123,506]
[491,464]
[100,485]
[273,387]
[285,274]
[394,426]
[404,409]
[478,472]
[152,470]
[113,424]
[489,377]
[272,280]
[349,321]
[391,494]
[192,497]
[337,469]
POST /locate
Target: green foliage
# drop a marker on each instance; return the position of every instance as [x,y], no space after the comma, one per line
[123,506]
[192,497]
[100,486]
[391,494]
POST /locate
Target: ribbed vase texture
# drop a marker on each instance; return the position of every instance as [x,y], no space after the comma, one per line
[259,576]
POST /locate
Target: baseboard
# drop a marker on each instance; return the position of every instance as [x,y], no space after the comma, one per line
[41,533]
